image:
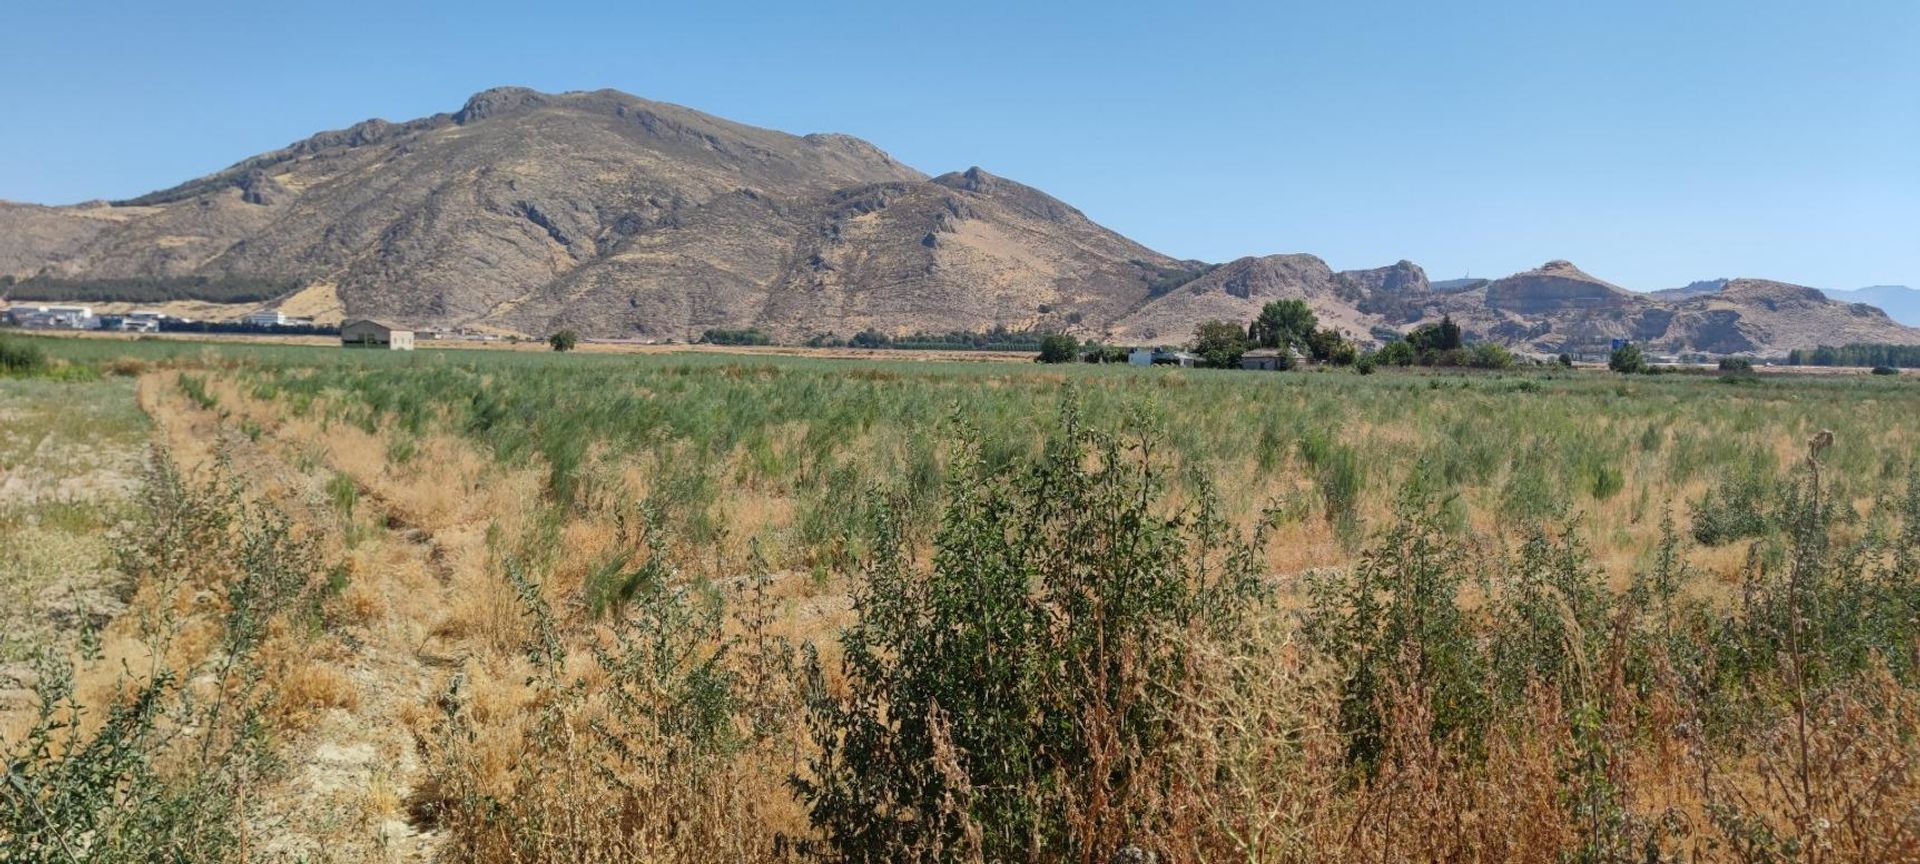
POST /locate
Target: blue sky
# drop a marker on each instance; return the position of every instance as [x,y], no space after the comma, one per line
[1652,143]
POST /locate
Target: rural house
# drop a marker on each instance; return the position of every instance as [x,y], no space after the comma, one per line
[1161,357]
[1268,359]
[266,318]
[364,333]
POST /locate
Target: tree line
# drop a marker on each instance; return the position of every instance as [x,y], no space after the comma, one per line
[1858,354]
[1291,328]
[149,289]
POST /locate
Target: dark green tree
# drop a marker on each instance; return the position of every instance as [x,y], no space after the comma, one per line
[1398,353]
[1443,335]
[1326,345]
[1282,324]
[1058,348]
[1219,343]
[564,340]
[1627,360]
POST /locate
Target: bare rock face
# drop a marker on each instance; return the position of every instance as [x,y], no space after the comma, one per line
[1401,279]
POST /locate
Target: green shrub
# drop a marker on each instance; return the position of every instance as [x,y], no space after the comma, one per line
[21,358]
[1627,360]
[564,340]
[1024,682]
[1395,622]
[1058,348]
[723,336]
[1220,344]
[1398,353]
[1491,355]
[1284,324]
[1736,508]
[195,386]
[1885,370]
[166,773]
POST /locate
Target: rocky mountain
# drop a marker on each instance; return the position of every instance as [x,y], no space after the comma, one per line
[1553,308]
[614,215]
[1901,303]
[527,212]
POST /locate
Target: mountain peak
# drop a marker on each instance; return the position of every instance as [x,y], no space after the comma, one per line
[975,179]
[498,100]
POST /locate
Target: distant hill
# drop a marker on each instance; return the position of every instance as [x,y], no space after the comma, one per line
[1901,303]
[615,216]
[1553,308]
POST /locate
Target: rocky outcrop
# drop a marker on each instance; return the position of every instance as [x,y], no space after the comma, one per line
[1401,279]
[1556,286]
[1235,291]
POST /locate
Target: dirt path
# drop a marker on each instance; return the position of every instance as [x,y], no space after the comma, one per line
[352,764]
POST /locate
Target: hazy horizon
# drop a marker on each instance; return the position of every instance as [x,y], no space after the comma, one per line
[1651,146]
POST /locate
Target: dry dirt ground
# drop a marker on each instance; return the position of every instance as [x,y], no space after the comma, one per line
[70,457]
[349,756]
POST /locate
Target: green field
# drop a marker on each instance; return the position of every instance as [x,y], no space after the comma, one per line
[719,607]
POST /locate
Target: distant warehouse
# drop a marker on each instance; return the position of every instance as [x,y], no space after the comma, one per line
[365,333]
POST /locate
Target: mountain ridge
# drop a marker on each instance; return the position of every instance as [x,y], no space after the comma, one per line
[619,216]
[1900,302]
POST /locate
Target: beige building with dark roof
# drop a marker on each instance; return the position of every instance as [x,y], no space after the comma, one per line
[367,333]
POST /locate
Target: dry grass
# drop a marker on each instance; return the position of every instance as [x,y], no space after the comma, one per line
[429,652]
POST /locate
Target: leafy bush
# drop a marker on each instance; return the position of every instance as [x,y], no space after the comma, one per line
[1736,508]
[195,386]
[1627,360]
[749,336]
[1283,324]
[1328,346]
[166,772]
[1490,355]
[1058,348]
[1398,353]
[21,358]
[1394,623]
[564,340]
[1443,335]
[1220,344]
[1736,364]
[1885,370]
[1007,703]
[1096,353]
